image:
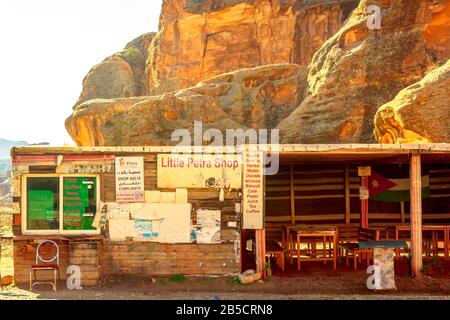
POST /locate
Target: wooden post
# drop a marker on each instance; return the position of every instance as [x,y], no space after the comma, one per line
[292,193]
[416,214]
[402,211]
[365,204]
[260,239]
[347,195]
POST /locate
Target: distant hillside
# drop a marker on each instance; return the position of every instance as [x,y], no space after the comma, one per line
[5,146]
[5,166]
[5,180]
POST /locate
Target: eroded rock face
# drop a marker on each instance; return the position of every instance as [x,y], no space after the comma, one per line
[419,113]
[358,70]
[201,39]
[250,98]
[158,82]
[120,75]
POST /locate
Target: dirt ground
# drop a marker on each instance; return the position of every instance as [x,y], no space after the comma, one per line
[316,281]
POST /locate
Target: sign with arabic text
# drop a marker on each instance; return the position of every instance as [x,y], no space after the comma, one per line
[129,179]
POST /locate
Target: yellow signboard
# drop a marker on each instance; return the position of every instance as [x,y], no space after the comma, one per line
[199,171]
[364,171]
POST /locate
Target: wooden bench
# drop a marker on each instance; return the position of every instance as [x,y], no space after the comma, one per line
[348,232]
[348,249]
[274,250]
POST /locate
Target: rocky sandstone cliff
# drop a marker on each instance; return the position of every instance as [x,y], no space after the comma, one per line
[250,98]
[202,39]
[120,75]
[358,70]
[311,68]
[419,113]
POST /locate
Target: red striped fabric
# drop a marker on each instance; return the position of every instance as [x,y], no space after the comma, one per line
[365,204]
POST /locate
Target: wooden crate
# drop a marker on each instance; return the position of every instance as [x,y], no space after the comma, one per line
[86,255]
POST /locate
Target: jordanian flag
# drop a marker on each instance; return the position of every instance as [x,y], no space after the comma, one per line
[394,190]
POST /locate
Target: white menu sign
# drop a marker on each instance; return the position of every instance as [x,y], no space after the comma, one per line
[129,179]
[253,189]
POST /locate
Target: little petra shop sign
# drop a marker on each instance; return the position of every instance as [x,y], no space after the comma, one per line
[199,171]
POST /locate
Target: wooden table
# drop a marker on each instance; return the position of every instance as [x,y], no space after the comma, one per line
[434,228]
[285,240]
[316,231]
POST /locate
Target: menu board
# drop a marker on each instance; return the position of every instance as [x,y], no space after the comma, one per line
[253,189]
[130,179]
[79,203]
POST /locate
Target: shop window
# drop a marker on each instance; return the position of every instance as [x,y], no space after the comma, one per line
[60,204]
[43,203]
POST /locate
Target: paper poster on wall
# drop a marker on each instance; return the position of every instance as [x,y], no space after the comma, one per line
[147,229]
[118,210]
[130,179]
[208,222]
[171,220]
[199,171]
[119,230]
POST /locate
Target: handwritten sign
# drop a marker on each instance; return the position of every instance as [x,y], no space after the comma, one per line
[253,189]
[199,171]
[364,171]
[129,179]
[79,203]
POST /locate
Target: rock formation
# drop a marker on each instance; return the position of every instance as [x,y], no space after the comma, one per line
[201,39]
[120,75]
[250,98]
[419,113]
[244,64]
[198,40]
[358,70]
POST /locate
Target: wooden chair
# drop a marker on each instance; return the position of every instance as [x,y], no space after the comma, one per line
[48,265]
[348,249]
[274,250]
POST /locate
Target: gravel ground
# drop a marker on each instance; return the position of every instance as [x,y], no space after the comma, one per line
[309,286]
[18,294]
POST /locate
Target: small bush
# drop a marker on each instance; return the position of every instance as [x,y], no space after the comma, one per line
[178,278]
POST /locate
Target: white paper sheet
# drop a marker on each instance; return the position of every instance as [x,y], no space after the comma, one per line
[209,222]
[119,229]
[174,220]
[118,210]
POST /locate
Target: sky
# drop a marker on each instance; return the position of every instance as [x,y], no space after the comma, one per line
[46,49]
